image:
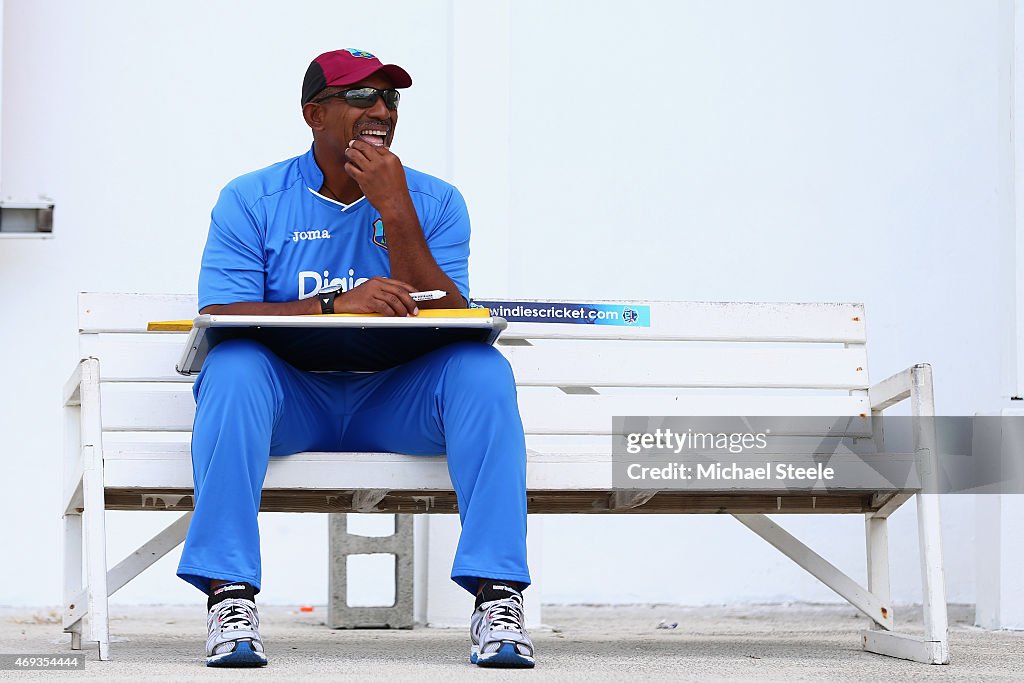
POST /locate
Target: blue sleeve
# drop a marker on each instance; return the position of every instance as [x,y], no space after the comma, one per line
[234,266]
[448,239]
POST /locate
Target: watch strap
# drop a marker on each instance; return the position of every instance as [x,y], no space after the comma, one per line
[327,301]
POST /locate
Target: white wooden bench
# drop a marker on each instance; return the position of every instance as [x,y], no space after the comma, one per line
[694,359]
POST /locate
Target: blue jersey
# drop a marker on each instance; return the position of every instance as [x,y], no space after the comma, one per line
[273,238]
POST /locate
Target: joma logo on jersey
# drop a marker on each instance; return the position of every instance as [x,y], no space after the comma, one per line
[311,235]
[311,282]
[378,234]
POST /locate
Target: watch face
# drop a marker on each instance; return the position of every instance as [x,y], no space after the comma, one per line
[326,297]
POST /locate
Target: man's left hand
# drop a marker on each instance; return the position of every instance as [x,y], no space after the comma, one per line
[379,173]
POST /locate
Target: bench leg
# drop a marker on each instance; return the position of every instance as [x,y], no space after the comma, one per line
[933,648]
[876,535]
[72,515]
[72,575]
[83,467]
[96,550]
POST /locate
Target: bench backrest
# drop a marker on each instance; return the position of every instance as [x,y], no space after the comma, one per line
[694,358]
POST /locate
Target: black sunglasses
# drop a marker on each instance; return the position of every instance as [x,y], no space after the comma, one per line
[364,98]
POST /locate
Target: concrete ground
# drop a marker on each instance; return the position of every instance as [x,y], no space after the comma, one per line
[751,643]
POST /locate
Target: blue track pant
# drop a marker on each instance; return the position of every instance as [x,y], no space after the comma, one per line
[459,400]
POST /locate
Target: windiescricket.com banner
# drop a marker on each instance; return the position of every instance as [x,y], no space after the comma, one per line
[628,315]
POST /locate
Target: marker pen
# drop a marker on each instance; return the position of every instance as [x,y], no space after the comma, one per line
[432,295]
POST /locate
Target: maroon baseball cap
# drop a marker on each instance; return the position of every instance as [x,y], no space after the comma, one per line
[345,67]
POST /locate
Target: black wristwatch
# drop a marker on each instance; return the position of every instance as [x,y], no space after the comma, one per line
[326,296]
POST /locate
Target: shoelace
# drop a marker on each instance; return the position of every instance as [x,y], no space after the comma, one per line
[506,615]
[236,615]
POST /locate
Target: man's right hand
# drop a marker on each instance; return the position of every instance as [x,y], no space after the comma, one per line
[378,295]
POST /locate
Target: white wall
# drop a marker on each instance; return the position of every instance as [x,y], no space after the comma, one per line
[793,151]
[133,116]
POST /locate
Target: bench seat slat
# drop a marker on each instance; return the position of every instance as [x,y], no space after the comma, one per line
[126,312]
[169,466]
[142,407]
[124,358]
[663,366]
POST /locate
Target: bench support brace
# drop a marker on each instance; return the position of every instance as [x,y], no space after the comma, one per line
[820,568]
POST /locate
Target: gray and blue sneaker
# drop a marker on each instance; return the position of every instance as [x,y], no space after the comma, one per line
[234,636]
[499,638]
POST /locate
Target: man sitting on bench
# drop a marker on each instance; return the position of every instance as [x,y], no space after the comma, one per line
[345,228]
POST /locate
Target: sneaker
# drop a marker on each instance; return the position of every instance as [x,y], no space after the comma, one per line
[498,636]
[234,638]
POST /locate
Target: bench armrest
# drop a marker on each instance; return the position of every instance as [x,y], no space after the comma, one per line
[73,387]
[892,390]
[72,394]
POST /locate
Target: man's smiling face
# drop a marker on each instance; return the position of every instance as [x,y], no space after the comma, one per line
[374,125]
